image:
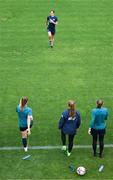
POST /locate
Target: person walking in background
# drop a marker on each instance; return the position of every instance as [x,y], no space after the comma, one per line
[97,127]
[51,22]
[68,124]
[25,120]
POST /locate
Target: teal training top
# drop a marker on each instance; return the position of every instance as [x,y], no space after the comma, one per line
[22,115]
[98,118]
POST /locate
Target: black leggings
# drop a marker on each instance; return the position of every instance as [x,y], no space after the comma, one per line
[98,134]
[70,140]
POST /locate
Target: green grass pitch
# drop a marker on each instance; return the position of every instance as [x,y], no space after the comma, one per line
[79,67]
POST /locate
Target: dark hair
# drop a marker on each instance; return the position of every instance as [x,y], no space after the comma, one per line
[23,102]
[71,108]
[99,103]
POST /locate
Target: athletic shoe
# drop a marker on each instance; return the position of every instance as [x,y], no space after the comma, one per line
[68,153]
[64,148]
[25,149]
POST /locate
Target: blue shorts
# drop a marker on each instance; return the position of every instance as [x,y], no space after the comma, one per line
[24,128]
[52,31]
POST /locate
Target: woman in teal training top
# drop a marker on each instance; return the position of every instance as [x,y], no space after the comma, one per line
[97,127]
[25,120]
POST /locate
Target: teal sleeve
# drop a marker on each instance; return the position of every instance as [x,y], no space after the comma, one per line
[30,112]
[92,119]
[106,115]
[17,109]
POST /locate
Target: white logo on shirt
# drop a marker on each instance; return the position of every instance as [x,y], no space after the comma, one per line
[70,118]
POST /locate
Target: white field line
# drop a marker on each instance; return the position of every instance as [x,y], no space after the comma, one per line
[49,147]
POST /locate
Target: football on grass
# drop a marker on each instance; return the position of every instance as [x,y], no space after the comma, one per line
[81,170]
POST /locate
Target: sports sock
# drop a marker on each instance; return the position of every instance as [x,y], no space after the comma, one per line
[51,43]
[24,142]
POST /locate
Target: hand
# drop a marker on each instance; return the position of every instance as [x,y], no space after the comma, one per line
[28,132]
[89,131]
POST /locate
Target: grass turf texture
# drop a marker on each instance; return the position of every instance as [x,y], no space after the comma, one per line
[79,67]
[54,164]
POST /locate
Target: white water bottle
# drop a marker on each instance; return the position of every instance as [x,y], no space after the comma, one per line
[101,168]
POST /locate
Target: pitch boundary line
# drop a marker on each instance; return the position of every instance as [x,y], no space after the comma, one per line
[50,147]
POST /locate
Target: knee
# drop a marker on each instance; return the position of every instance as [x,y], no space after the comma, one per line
[49,34]
[24,134]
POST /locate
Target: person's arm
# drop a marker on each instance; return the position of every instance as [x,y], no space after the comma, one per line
[78,120]
[89,131]
[106,115]
[61,122]
[17,109]
[56,21]
[91,122]
[53,22]
[29,119]
[47,21]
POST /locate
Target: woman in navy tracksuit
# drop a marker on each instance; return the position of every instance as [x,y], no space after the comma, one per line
[69,123]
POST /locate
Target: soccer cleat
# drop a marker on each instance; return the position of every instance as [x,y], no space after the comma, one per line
[25,149]
[68,153]
[64,148]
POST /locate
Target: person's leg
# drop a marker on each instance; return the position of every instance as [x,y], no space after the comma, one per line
[63,138]
[70,145]
[24,139]
[94,144]
[101,141]
[50,37]
[52,40]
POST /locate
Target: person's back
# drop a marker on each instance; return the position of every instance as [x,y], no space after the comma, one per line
[68,124]
[71,124]
[22,115]
[100,117]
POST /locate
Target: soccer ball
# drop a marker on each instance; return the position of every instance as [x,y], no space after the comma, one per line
[81,170]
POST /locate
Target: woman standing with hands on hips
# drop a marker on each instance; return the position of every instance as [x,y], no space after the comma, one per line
[69,123]
[25,120]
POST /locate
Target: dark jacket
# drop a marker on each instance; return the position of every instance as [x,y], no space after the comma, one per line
[68,124]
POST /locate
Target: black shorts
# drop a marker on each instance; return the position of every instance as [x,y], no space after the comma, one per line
[100,132]
[51,30]
[24,128]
